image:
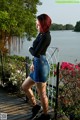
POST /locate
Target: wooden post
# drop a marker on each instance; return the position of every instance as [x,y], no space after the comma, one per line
[57,91]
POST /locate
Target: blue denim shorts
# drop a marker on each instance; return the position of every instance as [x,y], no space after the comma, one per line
[41,69]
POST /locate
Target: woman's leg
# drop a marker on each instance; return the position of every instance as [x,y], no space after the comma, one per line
[44,99]
[26,86]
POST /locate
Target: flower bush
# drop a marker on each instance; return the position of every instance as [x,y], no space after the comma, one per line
[69,83]
[69,93]
[14,72]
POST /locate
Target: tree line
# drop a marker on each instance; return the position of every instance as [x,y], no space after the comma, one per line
[76,28]
[55,26]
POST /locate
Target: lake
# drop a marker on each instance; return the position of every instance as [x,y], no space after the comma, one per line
[68,43]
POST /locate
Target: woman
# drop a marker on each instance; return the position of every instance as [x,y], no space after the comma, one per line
[39,68]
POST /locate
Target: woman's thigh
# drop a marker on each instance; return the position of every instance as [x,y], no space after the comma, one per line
[28,83]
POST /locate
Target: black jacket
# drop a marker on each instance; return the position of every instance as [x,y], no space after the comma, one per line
[40,44]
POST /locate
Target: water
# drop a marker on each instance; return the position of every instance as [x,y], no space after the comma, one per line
[68,43]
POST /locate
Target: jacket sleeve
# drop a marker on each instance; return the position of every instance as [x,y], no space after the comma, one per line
[39,47]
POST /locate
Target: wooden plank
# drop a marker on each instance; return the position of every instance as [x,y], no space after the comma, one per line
[16,108]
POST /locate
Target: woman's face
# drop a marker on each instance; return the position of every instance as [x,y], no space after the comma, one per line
[38,25]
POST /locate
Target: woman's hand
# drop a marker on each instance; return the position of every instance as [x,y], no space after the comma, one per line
[32,68]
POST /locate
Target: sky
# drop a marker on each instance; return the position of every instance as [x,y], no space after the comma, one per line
[68,13]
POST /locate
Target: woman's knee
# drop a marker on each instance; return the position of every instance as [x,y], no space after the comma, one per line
[41,87]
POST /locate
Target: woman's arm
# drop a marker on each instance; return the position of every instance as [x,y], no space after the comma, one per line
[41,46]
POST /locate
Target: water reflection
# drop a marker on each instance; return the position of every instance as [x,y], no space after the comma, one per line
[14,45]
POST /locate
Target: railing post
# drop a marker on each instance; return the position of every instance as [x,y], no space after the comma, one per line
[57,91]
[26,74]
[26,66]
[3,77]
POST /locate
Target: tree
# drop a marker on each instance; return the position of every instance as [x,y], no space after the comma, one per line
[55,26]
[77,27]
[16,18]
[69,27]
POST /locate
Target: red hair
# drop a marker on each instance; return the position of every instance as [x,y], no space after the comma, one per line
[45,22]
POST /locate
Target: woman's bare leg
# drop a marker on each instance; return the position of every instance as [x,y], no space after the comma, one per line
[44,99]
[26,86]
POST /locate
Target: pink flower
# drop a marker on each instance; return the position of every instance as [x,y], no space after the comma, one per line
[66,65]
[77,67]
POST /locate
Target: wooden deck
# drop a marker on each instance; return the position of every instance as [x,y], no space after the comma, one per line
[15,107]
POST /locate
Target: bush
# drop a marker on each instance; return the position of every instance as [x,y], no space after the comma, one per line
[14,72]
[69,94]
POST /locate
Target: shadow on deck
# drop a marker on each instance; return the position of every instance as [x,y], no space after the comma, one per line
[15,107]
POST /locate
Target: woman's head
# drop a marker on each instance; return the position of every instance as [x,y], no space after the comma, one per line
[43,23]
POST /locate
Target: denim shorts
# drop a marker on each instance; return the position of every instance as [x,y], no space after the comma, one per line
[41,69]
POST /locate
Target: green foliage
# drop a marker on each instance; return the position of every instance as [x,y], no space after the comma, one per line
[77,27]
[18,16]
[69,27]
[14,71]
[61,27]
[4,18]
